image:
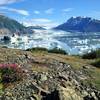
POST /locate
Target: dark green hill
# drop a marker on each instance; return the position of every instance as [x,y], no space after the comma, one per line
[8,25]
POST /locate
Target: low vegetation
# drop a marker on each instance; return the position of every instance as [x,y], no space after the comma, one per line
[95,56]
[37,49]
[57,51]
[92,55]
[96,63]
[1,85]
[10,73]
[54,50]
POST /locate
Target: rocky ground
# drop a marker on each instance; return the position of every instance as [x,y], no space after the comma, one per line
[48,77]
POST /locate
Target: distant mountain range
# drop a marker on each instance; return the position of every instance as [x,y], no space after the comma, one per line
[80,24]
[74,24]
[36,27]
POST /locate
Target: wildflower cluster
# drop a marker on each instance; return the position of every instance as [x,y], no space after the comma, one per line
[10,73]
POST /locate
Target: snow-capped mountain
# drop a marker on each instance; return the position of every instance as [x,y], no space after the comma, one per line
[80,24]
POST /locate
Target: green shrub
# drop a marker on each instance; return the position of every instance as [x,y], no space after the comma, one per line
[98,53]
[10,73]
[96,63]
[57,51]
[54,50]
[37,49]
[92,55]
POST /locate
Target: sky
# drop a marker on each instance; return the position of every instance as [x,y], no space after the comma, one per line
[48,13]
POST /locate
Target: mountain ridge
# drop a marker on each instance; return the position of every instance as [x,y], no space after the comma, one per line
[80,24]
[8,25]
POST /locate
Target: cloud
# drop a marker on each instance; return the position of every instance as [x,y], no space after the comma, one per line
[67,10]
[47,23]
[19,11]
[50,25]
[36,12]
[41,20]
[49,11]
[4,2]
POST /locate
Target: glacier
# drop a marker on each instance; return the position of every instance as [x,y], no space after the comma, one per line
[73,43]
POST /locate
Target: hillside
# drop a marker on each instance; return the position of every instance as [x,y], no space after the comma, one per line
[80,24]
[49,76]
[9,26]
